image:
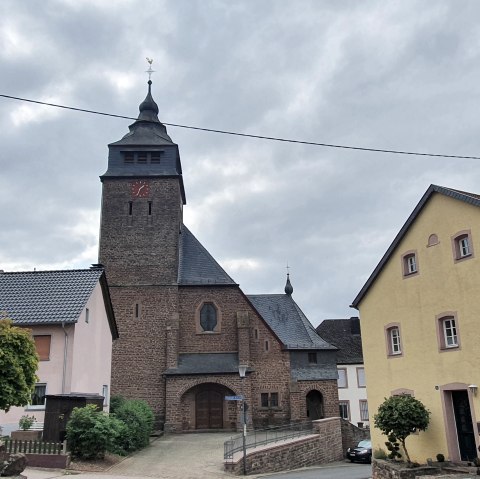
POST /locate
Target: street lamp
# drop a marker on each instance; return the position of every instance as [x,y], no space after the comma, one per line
[242,370]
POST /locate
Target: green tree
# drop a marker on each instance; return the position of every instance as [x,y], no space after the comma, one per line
[18,365]
[400,416]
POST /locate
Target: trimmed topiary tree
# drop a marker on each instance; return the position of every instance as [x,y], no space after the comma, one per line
[400,416]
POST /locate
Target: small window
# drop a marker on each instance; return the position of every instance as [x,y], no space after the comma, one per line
[38,397]
[149,208]
[208,317]
[410,263]
[42,344]
[142,157]
[267,345]
[87,315]
[105,394]
[269,400]
[130,208]
[312,358]
[393,340]
[155,158]
[344,407]
[136,311]
[462,246]
[361,378]
[128,157]
[342,378]
[447,332]
[255,334]
[363,409]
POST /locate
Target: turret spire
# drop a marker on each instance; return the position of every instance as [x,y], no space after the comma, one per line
[288,286]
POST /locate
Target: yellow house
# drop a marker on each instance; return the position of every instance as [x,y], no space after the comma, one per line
[420,319]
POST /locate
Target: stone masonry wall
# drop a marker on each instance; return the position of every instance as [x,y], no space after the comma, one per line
[390,470]
[300,389]
[352,435]
[323,447]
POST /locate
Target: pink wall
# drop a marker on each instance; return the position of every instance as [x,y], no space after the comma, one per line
[89,352]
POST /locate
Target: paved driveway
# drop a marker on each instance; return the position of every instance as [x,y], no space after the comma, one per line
[193,456]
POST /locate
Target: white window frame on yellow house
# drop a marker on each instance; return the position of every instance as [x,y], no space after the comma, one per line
[393,340]
[462,245]
[409,263]
[448,334]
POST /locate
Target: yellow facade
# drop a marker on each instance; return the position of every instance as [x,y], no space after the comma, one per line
[442,285]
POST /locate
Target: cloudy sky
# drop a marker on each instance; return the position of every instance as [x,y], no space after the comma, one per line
[376,74]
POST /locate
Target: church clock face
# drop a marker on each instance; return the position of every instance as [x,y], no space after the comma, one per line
[140,189]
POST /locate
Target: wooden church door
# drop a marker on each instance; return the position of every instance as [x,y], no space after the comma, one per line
[209,410]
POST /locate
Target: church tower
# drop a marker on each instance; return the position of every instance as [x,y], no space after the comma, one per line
[141,219]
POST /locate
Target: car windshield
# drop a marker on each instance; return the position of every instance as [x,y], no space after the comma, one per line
[366,444]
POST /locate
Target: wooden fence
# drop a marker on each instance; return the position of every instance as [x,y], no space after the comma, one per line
[35,447]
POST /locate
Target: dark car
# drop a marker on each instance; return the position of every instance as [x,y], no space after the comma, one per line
[362,452]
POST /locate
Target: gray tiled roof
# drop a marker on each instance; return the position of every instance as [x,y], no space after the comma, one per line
[343,333]
[315,374]
[288,322]
[46,297]
[196,265]
[205,363]
[469,198]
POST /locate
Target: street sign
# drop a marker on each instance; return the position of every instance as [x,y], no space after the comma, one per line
[233,398]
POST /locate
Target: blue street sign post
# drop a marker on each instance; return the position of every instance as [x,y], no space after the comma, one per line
[233,398]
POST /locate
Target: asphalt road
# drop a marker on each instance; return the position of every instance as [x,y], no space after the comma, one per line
[334,471]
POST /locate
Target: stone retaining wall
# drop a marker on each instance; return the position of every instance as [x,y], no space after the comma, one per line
[388,470]
[323,446]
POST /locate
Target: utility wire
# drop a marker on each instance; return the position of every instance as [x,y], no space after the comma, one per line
[247,135]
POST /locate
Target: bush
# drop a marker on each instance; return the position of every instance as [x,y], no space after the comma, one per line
[25,422]
[90,432]
[115,403]
[138,419]
[440,458]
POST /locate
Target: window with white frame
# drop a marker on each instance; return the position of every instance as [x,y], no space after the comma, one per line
[361,378]
[462,245]
[38,396]
[410,263]
[363,409]
[342,378]
[344,407]
[394,336]
[447,331]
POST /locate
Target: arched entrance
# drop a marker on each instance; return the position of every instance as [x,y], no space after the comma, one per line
[204,408]
[315,406]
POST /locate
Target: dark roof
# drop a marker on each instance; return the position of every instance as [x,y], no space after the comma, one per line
[345,335]
[51,297]
[470,198]
[147,129]
[196,265]
[205,363]
[288,322]
[328,371]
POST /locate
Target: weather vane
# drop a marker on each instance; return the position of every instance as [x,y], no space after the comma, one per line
[150,71]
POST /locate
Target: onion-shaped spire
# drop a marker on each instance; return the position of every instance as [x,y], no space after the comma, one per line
[148,108]
[288,286]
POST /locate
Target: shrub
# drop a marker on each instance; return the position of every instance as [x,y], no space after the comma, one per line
[26,422]
[90,432]
[394,447]
[440,457]
[138,419]
[115,403]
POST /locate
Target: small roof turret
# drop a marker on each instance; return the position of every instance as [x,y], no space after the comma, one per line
[148,108]
[288,286]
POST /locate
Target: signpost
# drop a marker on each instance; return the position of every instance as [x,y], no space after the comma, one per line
[233,398]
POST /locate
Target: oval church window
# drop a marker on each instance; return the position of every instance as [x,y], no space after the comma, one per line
[208,317]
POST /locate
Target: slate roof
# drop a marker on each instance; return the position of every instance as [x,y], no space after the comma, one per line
[51,297]
[319,373]
[196,265]
[470,198]
[288,322]
[345,335]
[205,363]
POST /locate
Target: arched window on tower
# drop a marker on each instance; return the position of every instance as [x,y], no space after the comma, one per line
[208,317]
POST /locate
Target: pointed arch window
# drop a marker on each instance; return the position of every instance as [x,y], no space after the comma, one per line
[208,317]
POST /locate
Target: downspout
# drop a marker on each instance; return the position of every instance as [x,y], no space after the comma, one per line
[65,350]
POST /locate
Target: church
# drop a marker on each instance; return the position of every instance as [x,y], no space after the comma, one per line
[184,324]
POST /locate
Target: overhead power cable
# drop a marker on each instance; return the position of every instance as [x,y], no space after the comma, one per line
[248,135]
